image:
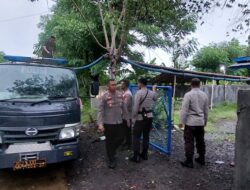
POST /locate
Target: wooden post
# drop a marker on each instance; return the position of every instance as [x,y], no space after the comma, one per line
[212,96]
[173,100]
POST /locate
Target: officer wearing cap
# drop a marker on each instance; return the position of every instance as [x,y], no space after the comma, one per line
[110,120]
[143,118]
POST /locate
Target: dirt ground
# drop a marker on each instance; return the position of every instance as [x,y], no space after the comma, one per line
[50,178]
[160,172]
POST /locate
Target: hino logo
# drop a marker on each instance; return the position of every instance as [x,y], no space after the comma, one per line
[31,131]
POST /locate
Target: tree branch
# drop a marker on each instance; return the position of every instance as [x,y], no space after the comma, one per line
[93,35]
[122,15]
[104,26]
[225,2]
[123,32]
[112,29]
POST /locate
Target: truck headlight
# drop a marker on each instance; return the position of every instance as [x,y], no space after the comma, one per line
[75,126]
[70,131]
[67,133]
[72,125]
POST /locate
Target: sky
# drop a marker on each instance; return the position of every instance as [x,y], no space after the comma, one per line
[18,25]
[19,31]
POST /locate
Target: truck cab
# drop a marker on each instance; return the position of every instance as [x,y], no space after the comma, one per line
[40,115]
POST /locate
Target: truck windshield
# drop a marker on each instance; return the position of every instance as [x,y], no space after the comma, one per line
[34,82]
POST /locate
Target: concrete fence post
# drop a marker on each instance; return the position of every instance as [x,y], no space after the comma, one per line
[212,96]
[242,148]
[174,95]
[225,91]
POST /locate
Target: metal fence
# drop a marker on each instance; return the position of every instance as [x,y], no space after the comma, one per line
[161,134]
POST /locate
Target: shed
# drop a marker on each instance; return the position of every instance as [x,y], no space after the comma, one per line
[241,63]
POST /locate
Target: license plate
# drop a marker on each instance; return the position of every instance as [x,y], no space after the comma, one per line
[29,164]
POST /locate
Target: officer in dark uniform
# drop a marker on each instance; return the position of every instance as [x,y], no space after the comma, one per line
[110,120]
[49,47]
[143,118]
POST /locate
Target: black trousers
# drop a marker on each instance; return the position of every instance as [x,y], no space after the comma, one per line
[114,138]
[191,134]
[127,134]
[141,128]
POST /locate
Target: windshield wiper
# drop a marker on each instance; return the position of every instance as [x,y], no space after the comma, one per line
[60,97]
[41,101]
[51,98]
[10,99]
[56,97]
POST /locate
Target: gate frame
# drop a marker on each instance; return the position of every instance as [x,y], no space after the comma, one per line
[168,110]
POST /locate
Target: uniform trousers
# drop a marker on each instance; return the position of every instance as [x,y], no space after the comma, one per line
[127,134]
[114,138]
[191,134]
[142,128]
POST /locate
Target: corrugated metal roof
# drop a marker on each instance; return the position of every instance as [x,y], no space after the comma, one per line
[185,74]
[242,59]
[241,63]
[240,66]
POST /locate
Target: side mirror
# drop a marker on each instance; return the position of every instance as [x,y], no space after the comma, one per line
[94,88]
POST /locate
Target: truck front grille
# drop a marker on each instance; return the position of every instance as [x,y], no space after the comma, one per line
[17,134]
[31,156]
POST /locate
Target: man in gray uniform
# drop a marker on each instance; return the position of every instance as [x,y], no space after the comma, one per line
[110,120]
[194,114]
[143,118]
[128,100]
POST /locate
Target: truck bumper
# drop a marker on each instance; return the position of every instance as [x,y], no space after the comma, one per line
[58,153]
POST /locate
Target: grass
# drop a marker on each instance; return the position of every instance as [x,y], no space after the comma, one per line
[227,137]
[219,112]
[88,114]
[225,111]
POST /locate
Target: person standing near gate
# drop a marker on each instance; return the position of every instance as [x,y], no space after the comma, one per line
[110,120]
[194,115]
[128,100]
[143,118]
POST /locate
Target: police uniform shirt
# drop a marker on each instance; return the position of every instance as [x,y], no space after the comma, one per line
[147,103]
[111,109]
[195,106]
[128,101]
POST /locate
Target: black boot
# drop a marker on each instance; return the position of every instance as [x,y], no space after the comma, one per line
[144,154]
[125,147]
[135,158]
[200,160]
[112,163]
[188,163]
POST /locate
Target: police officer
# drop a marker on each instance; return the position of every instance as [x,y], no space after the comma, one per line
[49,47]
[110,120]
[194,115]
[128,100]
[142,117]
